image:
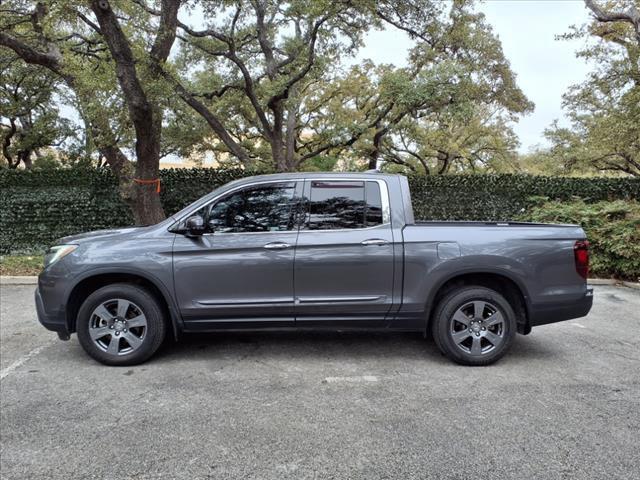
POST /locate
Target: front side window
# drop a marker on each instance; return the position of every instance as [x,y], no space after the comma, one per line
[263,208]
[337,205]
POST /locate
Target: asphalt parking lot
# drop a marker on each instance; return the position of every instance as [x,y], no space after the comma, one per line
[564,404]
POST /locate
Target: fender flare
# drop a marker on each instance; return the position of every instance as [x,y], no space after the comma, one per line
[176,319]
[477,270]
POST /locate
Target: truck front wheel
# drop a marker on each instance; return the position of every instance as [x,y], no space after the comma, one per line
[121,324]
[473,325]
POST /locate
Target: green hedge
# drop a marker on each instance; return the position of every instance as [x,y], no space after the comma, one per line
[37,207]
[613,229]
[40,206]
[505,197]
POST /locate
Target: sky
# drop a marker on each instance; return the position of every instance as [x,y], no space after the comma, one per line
[545,67]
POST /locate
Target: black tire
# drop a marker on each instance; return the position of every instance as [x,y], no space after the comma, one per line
[142,305]
[486,337]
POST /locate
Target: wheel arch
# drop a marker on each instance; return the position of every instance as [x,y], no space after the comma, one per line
[503,282]
[95,279]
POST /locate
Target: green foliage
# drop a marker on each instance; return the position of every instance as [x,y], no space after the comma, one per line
[29,117]
[453,140]
[447,111]
[40,206]
[604,110]
[506,196]
[613,229]
[180,187]
[322,163]
[274,85]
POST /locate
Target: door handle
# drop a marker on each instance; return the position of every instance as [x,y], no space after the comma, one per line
[277,246]
[375,241]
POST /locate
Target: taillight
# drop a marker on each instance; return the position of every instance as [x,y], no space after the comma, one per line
[581,254]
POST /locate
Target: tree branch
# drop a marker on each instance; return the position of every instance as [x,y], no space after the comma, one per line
[632,16]
[265,45]
[302,73]
[86,20]
[50,60]
[212,120]
[166,34]
[120,49]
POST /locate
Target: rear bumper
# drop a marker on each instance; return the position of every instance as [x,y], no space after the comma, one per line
[558,312]
[54,321]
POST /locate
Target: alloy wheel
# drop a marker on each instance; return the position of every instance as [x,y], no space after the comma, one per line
[118,326]
[477,327]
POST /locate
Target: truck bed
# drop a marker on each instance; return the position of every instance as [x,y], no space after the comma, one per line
[470,223]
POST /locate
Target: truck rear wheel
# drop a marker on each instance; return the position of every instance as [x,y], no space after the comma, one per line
[474,325]
[120,324]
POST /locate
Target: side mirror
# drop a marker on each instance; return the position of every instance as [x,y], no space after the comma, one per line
[194,226]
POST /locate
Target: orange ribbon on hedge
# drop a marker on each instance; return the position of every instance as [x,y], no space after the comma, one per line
[155,182]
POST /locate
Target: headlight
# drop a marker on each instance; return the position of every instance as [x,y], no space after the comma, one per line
[56,253]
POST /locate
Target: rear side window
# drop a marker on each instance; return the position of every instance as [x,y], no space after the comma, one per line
[338,205]
[373,213]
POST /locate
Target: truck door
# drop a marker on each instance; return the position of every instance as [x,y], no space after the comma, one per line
[344,257]
[240,273]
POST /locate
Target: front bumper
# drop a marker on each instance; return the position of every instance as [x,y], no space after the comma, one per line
[54,321]
[558,312]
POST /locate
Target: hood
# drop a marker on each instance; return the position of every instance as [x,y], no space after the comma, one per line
[100,234]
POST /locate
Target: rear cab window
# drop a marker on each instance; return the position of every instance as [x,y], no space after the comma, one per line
[343,205]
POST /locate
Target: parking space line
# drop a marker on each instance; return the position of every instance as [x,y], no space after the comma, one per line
[358,379]
[6,371]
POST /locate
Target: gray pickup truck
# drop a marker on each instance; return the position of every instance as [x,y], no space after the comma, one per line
[313,250]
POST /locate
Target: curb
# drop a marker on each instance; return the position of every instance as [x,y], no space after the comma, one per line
[32,280]
[18,280]
[614,282]
[602,281]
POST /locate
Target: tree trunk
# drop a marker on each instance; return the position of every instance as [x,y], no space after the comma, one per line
[6,143]
[148,208]
[374,153]
[277,140]
[445,162]
[279,158]
[291,159]
[25,156]
[145,115]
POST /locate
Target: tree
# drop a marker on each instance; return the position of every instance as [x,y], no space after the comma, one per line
[450,105]
[29,118]
[64,38]
[270,84]
[446,142]
[144,112]
[266,83]
[622,12]
[40,37]
[605,109]
[254,62]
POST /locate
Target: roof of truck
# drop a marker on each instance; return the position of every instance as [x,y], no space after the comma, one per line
[303,175]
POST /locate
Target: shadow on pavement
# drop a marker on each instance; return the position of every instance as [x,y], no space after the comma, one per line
[336,346]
